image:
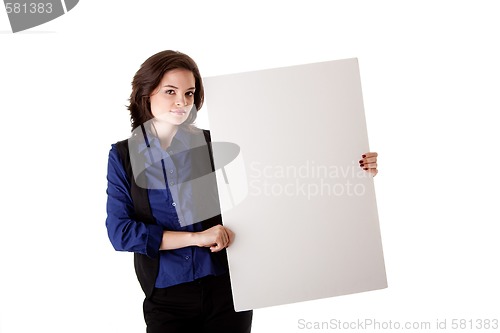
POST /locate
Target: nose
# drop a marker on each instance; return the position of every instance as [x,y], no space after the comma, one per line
[181,100]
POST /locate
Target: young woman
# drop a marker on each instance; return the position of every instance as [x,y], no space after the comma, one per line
[179,251]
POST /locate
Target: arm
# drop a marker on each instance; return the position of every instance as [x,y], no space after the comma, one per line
[217,238]
[125,233]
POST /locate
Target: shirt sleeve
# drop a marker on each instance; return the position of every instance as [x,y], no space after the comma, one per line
[125,233]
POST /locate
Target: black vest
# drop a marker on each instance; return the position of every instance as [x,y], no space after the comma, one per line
[146,268]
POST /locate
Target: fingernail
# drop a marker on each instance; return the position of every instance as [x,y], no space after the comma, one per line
[363,156]
[360,161]
[362,164]
[365,168]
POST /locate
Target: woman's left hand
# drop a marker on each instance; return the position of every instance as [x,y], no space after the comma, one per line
[368,162]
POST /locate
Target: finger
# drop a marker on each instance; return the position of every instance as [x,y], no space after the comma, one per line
[216,248]
[367,160]
[231,237]
[224,238]
[369,154]
[369,166]
[219,244]
[370,159]
[371,170]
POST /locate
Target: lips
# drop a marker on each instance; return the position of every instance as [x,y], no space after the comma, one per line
[178,112]
[181,111]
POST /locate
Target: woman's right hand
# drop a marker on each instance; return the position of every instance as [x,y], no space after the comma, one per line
[217,238]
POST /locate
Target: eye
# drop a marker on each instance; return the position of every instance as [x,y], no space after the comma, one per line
[170,92]
[190,93]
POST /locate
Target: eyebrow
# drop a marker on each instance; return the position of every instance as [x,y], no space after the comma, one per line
[171,86]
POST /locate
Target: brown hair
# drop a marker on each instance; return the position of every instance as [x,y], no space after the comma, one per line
[149,76]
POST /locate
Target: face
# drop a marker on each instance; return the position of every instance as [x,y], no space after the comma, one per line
[173,99]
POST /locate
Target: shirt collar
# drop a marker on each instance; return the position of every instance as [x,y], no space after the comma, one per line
[181,141]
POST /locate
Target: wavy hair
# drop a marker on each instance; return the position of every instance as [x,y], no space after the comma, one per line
[149,76]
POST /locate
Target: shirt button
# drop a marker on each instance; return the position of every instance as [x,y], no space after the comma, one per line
[171,152]
[174,204]
[172,183]
[187,257]
[171,171]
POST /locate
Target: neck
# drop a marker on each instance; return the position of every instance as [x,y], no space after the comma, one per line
[165,132]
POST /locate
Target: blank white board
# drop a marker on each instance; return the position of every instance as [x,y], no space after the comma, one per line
[307,225]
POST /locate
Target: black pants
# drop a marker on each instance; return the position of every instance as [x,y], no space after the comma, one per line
[204,305]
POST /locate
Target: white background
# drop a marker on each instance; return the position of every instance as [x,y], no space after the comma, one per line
[431,77]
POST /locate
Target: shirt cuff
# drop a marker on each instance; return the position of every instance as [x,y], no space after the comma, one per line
[155,236]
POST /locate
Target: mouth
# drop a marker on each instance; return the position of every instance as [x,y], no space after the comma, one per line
[179,112]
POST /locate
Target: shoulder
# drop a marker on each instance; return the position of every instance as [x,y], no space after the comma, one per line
[206,133]
[117,162]
[120,145]
[118,151]
[197,132]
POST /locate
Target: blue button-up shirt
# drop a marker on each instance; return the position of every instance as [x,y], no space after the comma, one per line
[176,266]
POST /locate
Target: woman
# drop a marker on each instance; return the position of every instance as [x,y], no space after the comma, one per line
[181,264]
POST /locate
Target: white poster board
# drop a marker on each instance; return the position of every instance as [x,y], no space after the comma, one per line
[303,211]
